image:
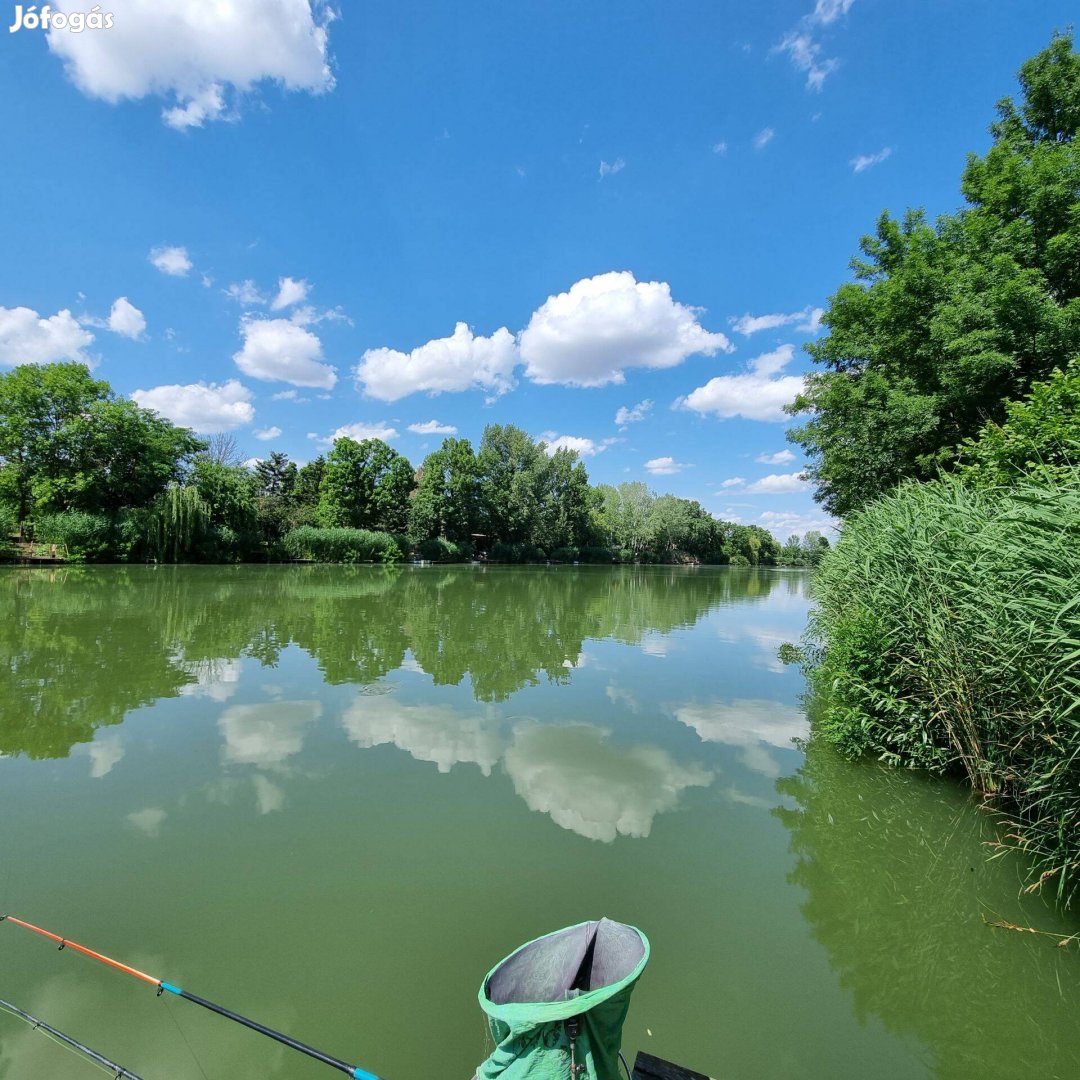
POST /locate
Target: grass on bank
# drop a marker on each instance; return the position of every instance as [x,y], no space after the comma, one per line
[952,621]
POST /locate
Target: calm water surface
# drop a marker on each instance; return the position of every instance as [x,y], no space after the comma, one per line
[332,798]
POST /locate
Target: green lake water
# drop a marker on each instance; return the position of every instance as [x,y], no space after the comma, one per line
[332,798]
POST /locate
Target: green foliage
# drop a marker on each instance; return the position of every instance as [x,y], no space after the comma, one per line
[738,560]
[344,545]
[947,635]
[517,553]
[365,485]
[439,549]
[447,500]
[1040,432]
[9,523]
[945,323]
[178,520]
[82,536]
[587,554]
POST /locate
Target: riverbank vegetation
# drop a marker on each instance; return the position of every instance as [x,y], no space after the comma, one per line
[944,429]
[101,479]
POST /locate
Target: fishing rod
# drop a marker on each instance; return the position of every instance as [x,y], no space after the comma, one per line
[336,1063]
[118,1071]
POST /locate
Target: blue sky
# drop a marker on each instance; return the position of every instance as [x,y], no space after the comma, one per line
[287,220]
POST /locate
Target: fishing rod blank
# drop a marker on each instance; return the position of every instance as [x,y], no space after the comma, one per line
[351,1070]
[119,1072]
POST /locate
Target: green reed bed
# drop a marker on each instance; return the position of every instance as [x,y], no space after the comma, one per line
[946,635]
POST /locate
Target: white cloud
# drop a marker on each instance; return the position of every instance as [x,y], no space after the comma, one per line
[290,292]
[433,427]
[126,319]
[808,320]
[586,783]
[733,481]
[584,447]
[634,414]
[763,138]
[588,335]
[199,55]
[149,820]
[781,457]
[266,735]
[104,752]
[864,161]
[359,432]
[784,522]
[173,261]
[719,148]
[777,484]
[749,724]
[266,434]
[665,466]
[459,362]
[609,168]
[277,349]
[754,394]
[27,338]
[205,408]
[285,395]
[246,293]
[435,733]
[803,48]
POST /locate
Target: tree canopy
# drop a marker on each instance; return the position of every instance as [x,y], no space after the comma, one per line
[946,322]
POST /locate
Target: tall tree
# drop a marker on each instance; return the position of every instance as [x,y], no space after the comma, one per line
[944,323]
[447,497]
[365,485]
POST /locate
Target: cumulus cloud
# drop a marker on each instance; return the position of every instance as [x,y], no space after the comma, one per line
[749,724]
[246,293]
[171,260]
[864,161]
[359,432]
[279,350]
[665,466]
[265,434]
[803,48]
[198,55]
[808,320]
[205,408]
[433,427]
[781,457]
[785,522]
[28,338]
[126,319]
[778,484]
[634,414]
[435,733]
[267,734]
[602,325]
[462,361]
[757,394]
[289,292]
[763,138]
[578,443]
[733,481]
[586,783]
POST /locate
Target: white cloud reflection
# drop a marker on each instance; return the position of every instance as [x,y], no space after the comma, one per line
[266,734]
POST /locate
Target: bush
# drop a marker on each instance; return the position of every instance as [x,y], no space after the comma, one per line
[440,549]
[947,635]
[517,553]
[738,560]
[342,545]
[84,536]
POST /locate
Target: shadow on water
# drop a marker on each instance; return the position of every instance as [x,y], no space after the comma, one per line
[83,647]
[897,883]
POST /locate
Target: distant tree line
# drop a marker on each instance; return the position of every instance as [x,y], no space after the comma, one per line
[104,479]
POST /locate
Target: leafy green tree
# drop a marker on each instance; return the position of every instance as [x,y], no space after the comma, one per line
[113,455]
[36,402]
[512,469]
[447,497]
[944,323]
[365,485]
[564,503]
[229,492]
[276,475]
